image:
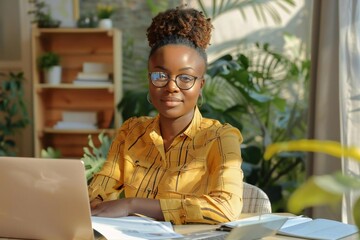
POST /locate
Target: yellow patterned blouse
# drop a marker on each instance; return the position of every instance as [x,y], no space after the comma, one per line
[198,180]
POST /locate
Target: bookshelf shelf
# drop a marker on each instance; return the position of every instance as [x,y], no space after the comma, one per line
[74,131]
[76,48]
[45,86]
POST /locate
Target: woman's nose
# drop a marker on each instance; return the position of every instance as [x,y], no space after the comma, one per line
[171,86]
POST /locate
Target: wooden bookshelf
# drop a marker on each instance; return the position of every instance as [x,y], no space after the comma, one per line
[75,47]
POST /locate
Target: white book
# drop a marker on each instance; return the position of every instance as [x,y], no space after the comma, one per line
[96,67]
[89,117]
[92,82]
[93,76]
[74,125]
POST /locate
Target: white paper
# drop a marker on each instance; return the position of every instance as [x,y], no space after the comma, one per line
[133,228]
[295,220]
[255,220]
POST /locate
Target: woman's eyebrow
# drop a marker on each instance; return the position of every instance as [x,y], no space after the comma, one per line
[181,69]
[160,67]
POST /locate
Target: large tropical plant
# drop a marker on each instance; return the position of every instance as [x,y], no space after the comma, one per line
[13,113]
[265,99]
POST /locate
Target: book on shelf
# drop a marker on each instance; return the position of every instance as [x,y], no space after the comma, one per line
[75,125]
[92,82]
[97,67]
[78,120]
[93,76]
[80,116]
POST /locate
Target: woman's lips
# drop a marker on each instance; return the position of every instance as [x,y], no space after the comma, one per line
[171,101]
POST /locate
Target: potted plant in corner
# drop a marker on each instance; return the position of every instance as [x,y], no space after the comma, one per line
[49,62]
[14,115]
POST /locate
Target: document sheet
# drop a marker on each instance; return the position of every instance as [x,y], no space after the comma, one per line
[133,228]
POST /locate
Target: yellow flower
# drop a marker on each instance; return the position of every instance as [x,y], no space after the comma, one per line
[104,10]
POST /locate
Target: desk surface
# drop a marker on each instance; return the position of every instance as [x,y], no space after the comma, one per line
[197,228]
[189,229]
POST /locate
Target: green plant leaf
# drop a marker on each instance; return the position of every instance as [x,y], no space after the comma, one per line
[311,194]
[356,212]
[251,154]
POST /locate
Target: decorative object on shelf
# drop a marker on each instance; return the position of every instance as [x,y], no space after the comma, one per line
[105,23]
[42,15]
[104,13]
[49,63]
[88,20]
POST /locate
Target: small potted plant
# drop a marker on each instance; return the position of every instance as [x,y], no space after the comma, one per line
[104,12]
[49,62]
[42,15]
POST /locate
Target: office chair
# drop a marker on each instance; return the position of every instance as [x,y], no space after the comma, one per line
[255,200]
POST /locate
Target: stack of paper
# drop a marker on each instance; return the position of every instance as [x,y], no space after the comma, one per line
[77,120]
[133,228]
[94,74]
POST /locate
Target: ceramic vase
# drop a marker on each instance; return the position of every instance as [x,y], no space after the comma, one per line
[53,75]
[105,23]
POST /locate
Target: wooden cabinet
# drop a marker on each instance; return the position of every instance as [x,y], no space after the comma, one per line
[75,47]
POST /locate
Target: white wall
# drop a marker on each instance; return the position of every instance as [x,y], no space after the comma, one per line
[231,28]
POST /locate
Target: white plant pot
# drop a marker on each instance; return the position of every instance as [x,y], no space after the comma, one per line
[105,23]
[53,75]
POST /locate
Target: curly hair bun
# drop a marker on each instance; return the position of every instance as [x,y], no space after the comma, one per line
[181,21]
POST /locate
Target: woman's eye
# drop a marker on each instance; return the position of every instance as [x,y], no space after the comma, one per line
[186,78]
[162,76]
[158,76]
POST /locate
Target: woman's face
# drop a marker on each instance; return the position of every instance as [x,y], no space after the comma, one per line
[174,60]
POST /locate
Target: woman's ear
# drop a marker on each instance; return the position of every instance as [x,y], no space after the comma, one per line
[202,83]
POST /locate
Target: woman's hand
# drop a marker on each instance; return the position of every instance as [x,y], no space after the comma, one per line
[127,206]
[114,208]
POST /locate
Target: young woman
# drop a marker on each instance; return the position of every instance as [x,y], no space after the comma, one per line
[177,166]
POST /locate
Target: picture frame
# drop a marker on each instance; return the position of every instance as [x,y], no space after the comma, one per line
[67,11]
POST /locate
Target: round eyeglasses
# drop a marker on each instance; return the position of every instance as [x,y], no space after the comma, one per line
[182,81]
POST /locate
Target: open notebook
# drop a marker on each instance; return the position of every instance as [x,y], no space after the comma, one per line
[44,199]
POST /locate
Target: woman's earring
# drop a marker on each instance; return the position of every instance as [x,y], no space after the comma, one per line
[200,100]
[148,98]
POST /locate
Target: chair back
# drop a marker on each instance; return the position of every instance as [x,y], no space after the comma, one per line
[255,200]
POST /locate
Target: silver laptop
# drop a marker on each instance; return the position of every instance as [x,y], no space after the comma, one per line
[44,199]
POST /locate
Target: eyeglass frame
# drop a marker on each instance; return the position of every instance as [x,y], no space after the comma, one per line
[170,79]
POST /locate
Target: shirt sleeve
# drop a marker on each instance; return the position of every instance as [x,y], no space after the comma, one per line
[107,183]
[223,201]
